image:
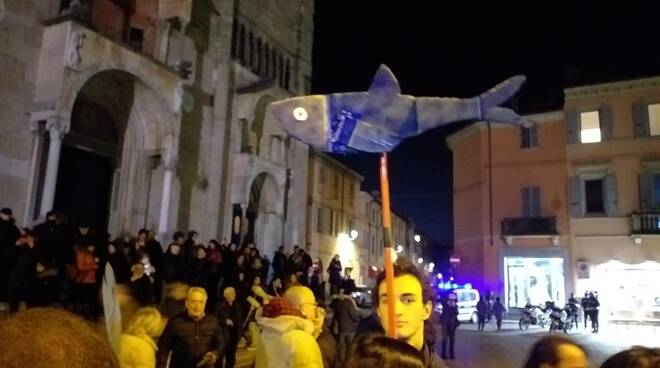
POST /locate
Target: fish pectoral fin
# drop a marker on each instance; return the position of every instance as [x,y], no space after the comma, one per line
[504,115]
[501,92]
[384,82]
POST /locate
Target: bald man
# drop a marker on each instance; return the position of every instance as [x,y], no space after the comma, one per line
[303,298]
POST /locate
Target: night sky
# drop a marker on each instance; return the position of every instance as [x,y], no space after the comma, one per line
[460,51]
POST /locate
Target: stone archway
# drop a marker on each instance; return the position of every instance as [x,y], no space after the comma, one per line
[114,116]
[76,64]
[264,214]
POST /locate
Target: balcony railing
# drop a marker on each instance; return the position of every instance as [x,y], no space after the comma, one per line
[646,222]
[515,226]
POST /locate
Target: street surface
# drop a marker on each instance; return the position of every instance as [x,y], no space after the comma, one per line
[510,346]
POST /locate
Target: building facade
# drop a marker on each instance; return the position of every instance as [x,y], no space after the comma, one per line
[333,212]
[151,114]
[568,205]
[403,234]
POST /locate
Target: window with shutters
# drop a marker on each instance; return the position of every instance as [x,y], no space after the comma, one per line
[594,196]
[655,191]
[321,175]
[649,187]
[324,221]
[654,119]
[319,220]
[590,127]
[335,188]
[351,194]
[531,201]
[529,137]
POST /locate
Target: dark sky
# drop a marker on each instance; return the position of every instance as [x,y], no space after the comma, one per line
[460,51]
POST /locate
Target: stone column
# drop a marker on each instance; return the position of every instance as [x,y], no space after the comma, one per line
[162,44]
[56,132]
[169,163]
[37,129]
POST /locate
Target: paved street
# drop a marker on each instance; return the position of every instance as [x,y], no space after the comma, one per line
[509,347]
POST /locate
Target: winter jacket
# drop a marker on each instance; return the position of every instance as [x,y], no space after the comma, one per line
[137,352]
[345,314]
[287,342]
[119,265]
[499,310]
[23,260]
[85,266]
[328,347]
[172,268]
[279,264]
[233,312]
[334,269]
[189,340]
[431,358]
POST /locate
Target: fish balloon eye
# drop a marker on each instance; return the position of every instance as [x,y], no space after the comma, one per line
[300,114]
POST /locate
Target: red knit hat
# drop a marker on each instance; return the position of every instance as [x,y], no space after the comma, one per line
[280,307]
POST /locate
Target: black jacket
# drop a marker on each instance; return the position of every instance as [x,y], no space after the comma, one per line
[190,340]
[279,264]
[120,267]
[234,312]
[9,233]
[368,325]
[173,268]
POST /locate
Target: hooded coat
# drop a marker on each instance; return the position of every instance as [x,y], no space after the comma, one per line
[287,342]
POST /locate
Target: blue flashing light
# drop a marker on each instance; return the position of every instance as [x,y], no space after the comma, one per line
[467,286]
[451,278]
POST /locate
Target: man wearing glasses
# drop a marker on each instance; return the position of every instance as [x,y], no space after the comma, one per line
[303,298]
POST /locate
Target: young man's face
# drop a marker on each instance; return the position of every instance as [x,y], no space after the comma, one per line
[410,309]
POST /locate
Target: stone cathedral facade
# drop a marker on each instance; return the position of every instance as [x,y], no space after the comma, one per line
[126,114]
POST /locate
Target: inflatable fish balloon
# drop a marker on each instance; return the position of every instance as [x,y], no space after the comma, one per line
[379,119]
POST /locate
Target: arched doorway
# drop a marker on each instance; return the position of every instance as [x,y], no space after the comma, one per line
[263,215]
[114,155]
[92,148]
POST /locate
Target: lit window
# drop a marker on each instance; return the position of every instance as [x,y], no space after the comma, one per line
[589,127]
[654,119]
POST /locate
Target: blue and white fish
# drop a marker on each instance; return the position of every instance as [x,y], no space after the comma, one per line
[379,119]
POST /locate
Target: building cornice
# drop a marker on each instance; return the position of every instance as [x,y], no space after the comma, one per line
[336,163]
[613,87]
[539,118]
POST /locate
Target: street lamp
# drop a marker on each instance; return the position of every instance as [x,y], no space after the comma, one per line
[420,260]
[399,248]
[353,234]
[418,238]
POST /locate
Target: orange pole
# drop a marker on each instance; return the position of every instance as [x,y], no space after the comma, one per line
[387,231]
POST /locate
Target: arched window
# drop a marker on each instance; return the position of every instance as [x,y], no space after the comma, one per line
[266,60]
[273,71]
[241,45]
[259,56]
[250,59]
[281,71]
[287,78]
[234,39]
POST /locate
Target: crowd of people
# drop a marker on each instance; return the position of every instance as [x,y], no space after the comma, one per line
[196,303]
